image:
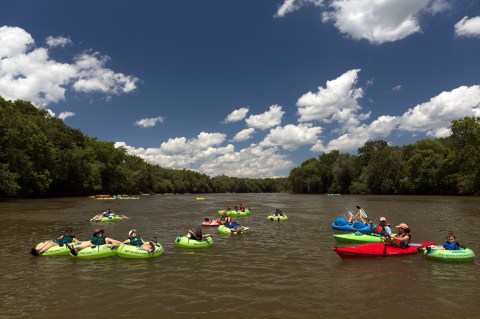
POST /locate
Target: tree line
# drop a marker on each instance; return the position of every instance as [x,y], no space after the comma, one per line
[449,166]
[40,156]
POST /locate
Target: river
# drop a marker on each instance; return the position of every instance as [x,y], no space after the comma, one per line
[277,270]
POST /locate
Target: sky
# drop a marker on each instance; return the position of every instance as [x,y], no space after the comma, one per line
[245,88]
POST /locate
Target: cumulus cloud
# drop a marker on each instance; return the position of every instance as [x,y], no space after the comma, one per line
[243,135]
[434,116]
[28,73]
[338,101]
[268,119]
[291,137]
[53,42]
[92,76]
[236,115]
[253,162]
[468,27]
[213,159]
[380,21]
[65,115]
[289,6]
[150,122]
[357,136]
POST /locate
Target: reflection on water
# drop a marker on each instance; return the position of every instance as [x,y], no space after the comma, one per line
[276,270]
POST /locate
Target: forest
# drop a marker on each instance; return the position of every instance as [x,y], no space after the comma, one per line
[40,156]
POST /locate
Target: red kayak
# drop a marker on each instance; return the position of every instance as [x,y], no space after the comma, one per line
[378,250]
[211,223]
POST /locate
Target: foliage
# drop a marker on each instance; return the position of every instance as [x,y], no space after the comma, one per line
[40,157]
[448,166]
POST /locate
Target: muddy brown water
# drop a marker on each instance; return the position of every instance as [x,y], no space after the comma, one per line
[277,270]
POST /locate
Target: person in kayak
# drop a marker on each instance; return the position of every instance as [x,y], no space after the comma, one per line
[402,239]
[382,229]
[67,238]
[198,235]
[358,217]
[135,240]
[98,239]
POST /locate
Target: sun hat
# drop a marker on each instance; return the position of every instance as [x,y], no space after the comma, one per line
[132,231]
[382,219]
[402,225]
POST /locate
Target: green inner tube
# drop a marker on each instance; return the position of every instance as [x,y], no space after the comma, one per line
[56,250]
[224,230]
[185,242]
[233,213]
[101,251]
[277,218]
[129,251]
[110,219]
[460,255]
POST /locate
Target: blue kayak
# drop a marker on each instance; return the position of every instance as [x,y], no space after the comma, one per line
[342,224]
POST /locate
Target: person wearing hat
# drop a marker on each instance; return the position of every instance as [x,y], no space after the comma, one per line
[98,239]
[135,240]
[67,238]
[402,239]
[382,229]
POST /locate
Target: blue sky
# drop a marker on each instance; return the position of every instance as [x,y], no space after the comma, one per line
[245,88]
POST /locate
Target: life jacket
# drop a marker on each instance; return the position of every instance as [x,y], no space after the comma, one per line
[66,239]
[380,229]
[98,241]
[451,246]
[223,218]
[396,242]
[135,241]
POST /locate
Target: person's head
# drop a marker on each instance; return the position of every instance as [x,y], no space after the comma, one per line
[403,228]
[198,233]
[68,230]
[132,233]
[450,237]
[98,232]
[277,209]
[224,213]
[382,220]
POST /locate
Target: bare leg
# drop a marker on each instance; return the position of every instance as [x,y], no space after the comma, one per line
[46,246]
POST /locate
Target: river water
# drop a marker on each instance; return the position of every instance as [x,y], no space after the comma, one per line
[277,270]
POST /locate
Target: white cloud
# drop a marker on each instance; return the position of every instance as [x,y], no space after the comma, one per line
[289,6]
[434,116]
[150,122]
[380,21]
[29,73]
[53,42]
[358,136]
[236,115]
[397,88]
[14,41]
[244,135]
[253,161]
[65,115]
[92,76]
[468,27]
[268,119]
[338,101]
[291,137]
